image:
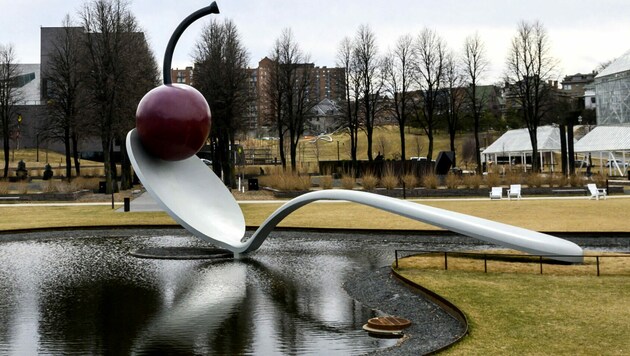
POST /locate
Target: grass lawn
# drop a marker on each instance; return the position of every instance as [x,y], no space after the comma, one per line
[541,215]
[532,314]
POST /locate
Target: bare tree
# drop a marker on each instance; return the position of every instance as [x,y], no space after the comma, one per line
[112,42]
[9,95]
[221,75]
[475,65]
[529,66]
[64,92]
[454,97]
[431,52]
[346,60]
[371,80]
[398,67]
[294,81]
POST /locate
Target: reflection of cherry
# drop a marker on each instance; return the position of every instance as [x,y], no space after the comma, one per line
[173,120]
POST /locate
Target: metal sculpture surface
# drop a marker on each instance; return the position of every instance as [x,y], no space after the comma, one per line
[197,199]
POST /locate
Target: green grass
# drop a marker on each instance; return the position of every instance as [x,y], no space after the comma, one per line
[530,314]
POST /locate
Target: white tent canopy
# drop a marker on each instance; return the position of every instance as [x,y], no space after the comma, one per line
[612,142]
[516,143]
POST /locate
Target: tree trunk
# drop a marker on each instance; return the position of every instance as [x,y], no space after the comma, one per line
[402,141]
[369,130]
[75,155]
[477,147]
[66,144]
[126,178]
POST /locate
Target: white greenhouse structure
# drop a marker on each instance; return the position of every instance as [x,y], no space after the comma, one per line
[515,147]
[612,92]
[609,144]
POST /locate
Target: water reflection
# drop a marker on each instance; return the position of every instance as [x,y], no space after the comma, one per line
[88,296]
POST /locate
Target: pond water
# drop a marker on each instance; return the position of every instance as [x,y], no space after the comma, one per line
[83,293]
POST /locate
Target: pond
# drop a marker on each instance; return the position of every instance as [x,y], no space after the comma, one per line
[81,292]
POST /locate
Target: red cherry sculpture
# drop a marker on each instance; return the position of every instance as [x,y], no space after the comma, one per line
[173,120]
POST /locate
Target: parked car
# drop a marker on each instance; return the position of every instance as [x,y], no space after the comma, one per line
[207,162]
[620,163]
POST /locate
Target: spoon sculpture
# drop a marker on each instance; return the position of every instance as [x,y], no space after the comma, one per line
[198,200]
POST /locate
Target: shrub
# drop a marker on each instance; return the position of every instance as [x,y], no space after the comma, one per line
[410,180]
[493,180]
[286,181]
[472,181]
[369,181]
[452,181]
[50,187]
[347,181]
[4,187]
[534,180]
[430,181]
[575,181]
[22,188]
[326,182]
[389,180]
[561,180]
[598,179]
[81,183]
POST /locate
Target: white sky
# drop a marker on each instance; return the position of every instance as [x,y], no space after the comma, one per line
[583,33]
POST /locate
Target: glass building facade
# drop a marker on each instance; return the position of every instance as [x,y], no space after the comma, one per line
[612,91]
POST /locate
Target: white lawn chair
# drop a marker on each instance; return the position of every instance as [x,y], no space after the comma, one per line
[596,192]
[496,193]
[514,191]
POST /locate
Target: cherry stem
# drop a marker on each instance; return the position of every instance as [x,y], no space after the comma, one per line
[170,48]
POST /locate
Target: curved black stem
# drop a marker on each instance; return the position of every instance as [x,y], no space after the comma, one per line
[170,48]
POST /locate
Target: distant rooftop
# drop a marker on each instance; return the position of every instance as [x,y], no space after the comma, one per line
[619,65]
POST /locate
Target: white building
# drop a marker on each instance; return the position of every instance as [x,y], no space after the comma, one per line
[612,91]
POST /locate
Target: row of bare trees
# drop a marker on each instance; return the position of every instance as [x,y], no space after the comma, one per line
[95,74]
[9,96]
[419,81]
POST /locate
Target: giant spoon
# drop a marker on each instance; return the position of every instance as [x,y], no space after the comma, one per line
[171,118]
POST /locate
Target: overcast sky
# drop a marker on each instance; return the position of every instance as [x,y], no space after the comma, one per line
[583,33]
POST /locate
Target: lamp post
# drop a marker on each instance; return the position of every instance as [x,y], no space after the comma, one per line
[19,121]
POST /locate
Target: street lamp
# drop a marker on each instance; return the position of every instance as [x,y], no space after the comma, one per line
[19,120]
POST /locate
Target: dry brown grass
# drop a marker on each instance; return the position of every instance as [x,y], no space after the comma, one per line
[540,215]
[452,181]
[492,180]
[410,180]
[348,180]
[534,180]
[389,179]
[286,180]
[81,183]
[369,181]
[4,187]
[326,182]
[430,181]
[472,181]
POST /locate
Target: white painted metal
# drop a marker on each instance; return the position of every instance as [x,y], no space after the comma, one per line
[193,195]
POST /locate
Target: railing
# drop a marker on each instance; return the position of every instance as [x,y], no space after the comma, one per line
[502,256]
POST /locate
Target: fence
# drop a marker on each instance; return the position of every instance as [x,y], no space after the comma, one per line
[539,259]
